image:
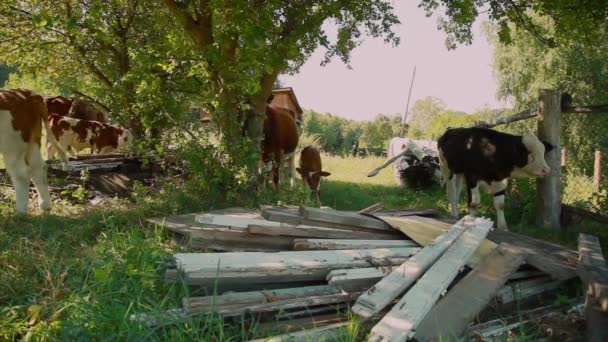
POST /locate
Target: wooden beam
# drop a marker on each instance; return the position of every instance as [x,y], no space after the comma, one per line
[209,268]
[548,189]
[345,218]
[320,232]
[372,209]
[593,271]
[237,299]
[603,108]
[400,323]
[451,316]
[294,218]
[555,260]
[390,287]
[521,290]
[523,115]
[335,244]
[584,213]
[493,330]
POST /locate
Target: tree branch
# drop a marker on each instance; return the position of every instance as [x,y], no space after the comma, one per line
[199,30]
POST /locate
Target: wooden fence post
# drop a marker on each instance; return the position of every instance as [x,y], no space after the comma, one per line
[597,170]
[564,156]
[548,189]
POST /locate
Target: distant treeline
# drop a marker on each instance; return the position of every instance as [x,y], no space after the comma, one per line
[429,118]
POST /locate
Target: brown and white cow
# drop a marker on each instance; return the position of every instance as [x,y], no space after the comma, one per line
[311,169]
[76,134]
[280,139]
[73,107]
[486,158]
[22,115]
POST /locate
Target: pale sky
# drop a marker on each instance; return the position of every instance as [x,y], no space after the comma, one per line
[381,75]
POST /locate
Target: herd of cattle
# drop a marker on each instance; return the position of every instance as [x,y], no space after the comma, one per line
[480,158]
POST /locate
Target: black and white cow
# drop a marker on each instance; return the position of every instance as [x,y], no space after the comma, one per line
[486,158]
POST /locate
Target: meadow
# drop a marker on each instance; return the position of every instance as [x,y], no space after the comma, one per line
[80,271]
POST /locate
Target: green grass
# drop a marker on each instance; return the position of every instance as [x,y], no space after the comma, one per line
[78,273]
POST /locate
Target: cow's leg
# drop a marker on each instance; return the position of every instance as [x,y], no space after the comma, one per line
[50,152]
[474,196]
[454,186]
[38,172]
[292,171]
[19,173]
[498,190]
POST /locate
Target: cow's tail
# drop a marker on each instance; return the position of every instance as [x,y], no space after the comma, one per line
[50,137]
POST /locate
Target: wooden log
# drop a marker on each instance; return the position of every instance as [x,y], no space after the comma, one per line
[525,289]
[335,244]
[330,332]
[391,286]
[584,213]
[209,268]
[548,189]
[523,115]
[320,232]
[593,271]
[236,299]
[345,218]
[400,323]
[603,108]
[597,170]
[451,316]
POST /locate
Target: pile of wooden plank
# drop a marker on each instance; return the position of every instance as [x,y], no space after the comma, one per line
[415,273]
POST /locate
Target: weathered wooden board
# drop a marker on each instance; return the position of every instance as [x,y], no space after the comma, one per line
[206,268]
[175,315]
[424,230]
[333,244]
[342,217]
[400,323]
[521,290]
[298,324]
[450,317]
[592,269]
[497,330]
[326,333]
[593,272]
[200,236]
[294,218]
[372,208]
[557,261]
[553,259]
[390,287]
[358,279]
[319,232]
[235,299]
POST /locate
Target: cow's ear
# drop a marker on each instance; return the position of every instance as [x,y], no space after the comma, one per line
[325,174]
[299,170]
[548,146]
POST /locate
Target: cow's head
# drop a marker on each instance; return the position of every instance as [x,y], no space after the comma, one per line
[125,140]
[530,154]
[313,179]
